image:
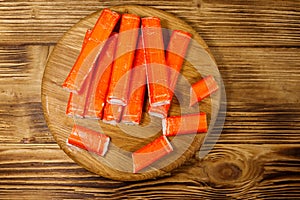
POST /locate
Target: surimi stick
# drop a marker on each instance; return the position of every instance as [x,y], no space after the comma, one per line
[101,78]
[112,113]
[89,140]
[202,89]
[177,47]
[76,102]
[133,110]
[91,50]
[128,35]
[157,77]
[175,54]
[150,153]
[185,124]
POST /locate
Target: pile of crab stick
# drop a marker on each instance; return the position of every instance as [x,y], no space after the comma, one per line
[115,69]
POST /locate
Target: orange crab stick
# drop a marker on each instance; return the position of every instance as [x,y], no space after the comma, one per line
[175,54]
[89,140]
[112,113]
[185,124]
[101,78]
[128,34]
[151,153]
[156,69]
[91,50]
[133,110]
[202,89]
[76,102]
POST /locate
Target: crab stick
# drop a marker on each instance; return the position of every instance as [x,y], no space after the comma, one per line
[150,153]
[112,113]
[175,54]
[202,89]
[101,78]
[76,102]
[185,124]
[120,79]
[86,59]
[157,77]
[177,47]
[89,140]
[133,110]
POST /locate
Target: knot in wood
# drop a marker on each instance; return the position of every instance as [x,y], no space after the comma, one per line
[34,12]
[227,172]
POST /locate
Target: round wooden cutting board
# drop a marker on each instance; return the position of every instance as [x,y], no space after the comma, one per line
[125,139]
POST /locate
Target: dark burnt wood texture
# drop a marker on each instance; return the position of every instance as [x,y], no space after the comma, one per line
[256,46]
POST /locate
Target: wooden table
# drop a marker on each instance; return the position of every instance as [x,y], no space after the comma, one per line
[256,45]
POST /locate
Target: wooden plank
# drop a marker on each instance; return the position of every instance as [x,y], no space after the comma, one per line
[256,65]
[262,88]
[21,114]
[257,77]
[263,124]
[228,171]
[46,22]
[220,23]
[249,23]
